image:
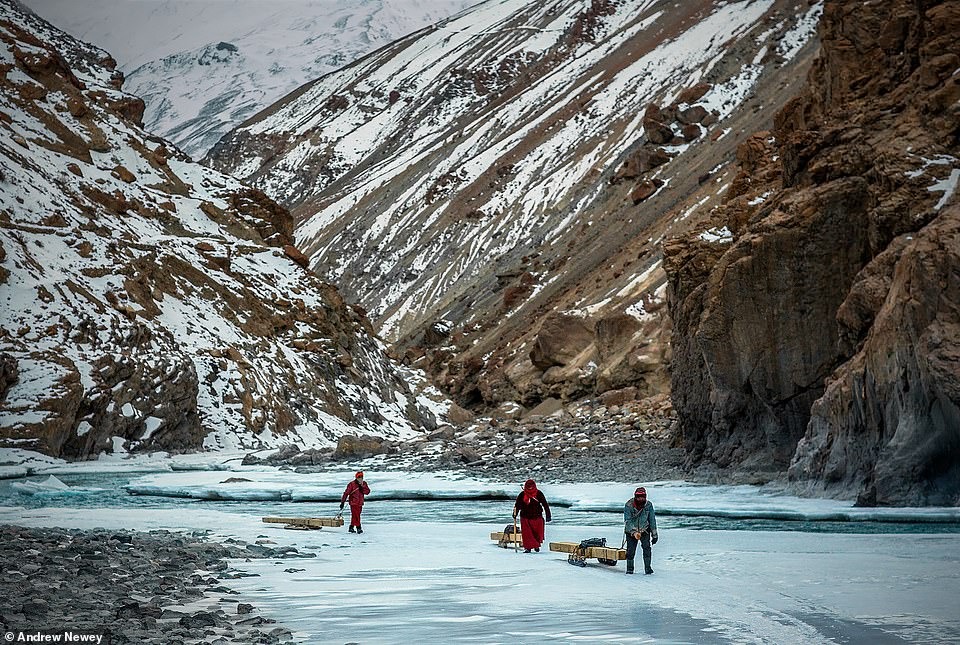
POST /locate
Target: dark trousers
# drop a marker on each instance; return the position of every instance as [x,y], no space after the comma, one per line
[644,545]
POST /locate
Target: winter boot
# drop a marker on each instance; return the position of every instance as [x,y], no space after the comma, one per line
[646,566]
[360,530]
[350,530]
[629,566]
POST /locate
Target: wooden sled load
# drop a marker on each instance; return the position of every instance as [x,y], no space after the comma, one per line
[580,552]
[507,540]
[305,523]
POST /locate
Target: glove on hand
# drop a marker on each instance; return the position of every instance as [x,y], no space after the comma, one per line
[341,506]
[655,538]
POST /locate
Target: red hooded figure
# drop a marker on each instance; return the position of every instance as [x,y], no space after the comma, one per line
[530,506]
[355,492]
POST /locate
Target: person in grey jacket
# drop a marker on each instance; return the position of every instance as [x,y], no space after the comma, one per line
[639,525]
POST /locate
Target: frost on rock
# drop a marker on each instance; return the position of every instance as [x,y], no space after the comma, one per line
[717,235]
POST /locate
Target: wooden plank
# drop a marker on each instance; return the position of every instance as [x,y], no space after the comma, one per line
[606,553]
[306,522]
[511,537]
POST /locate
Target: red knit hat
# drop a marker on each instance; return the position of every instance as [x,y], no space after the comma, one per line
[359,473]
[640,491]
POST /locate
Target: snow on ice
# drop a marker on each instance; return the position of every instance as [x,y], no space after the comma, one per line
[434,575]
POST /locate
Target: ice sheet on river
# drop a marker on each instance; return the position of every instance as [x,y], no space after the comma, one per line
[670,498]
[17,462]
[50,485]
[709,586]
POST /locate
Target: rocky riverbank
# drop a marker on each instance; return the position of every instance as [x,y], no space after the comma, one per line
[585,442]
[158,587]
[592,440]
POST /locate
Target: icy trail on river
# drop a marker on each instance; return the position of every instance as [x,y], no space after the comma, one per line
[426,569]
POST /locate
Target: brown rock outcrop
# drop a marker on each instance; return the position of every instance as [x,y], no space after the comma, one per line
[658,132]
[4,273]
[561,338]
[124,175]
[761,326]
[296,255]
[644,189]
[691,115]
[358,447]
[888,425]
[8,373]
[272,221]
[824,336]
[642,161]
[693,94]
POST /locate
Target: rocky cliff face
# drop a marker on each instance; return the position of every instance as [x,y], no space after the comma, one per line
[494,190]
[147,302]
[820,331]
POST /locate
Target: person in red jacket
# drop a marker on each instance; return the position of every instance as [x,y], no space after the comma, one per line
[531,505]
[355,492]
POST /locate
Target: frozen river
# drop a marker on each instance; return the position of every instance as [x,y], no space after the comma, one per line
[733,564]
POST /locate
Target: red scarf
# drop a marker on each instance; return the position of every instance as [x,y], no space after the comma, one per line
[529,492]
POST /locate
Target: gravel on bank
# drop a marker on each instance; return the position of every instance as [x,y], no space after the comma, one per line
[159,587]
[589,441]
[633,442]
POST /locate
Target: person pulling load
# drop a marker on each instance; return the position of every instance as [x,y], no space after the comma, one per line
[531,505]
[640,525]
[355,492]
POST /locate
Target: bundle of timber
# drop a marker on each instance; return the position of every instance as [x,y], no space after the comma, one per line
[580,552]
[305,523]
[507,539]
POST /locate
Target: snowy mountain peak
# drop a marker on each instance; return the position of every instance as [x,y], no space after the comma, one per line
[205,67]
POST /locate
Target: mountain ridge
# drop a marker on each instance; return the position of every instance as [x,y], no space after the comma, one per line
[202,69]
[422,194]
[151,303]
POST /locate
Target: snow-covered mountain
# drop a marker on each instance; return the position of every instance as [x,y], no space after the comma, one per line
[149,302]
[203,66]
[495,188]
[496,192]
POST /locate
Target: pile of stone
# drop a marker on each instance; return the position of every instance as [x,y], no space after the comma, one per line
[586,441]
[157,587]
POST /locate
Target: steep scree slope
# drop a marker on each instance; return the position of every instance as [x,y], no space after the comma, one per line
[494,190]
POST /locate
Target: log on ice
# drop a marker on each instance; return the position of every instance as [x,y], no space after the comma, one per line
[306,522]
